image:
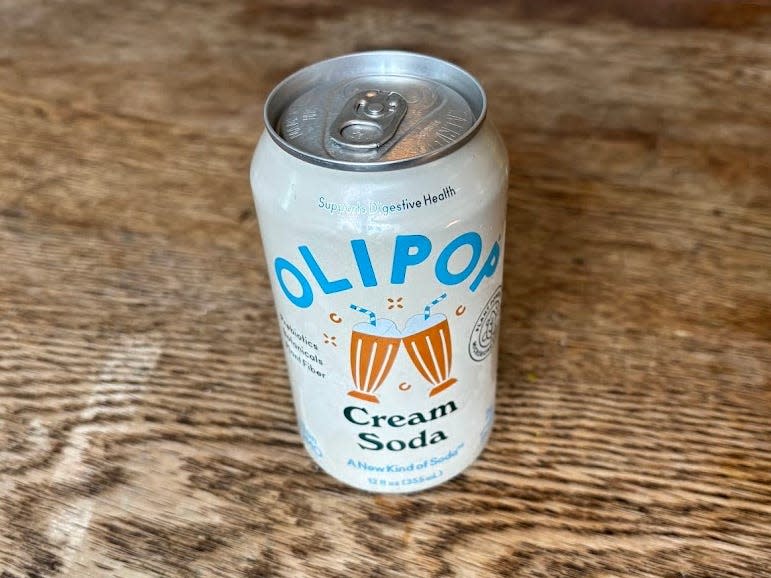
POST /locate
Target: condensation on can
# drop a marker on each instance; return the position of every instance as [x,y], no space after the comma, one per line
[380,191]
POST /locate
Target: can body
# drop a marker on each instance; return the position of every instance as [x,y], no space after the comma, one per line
[387,286]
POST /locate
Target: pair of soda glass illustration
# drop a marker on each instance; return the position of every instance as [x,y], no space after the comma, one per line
[375,345]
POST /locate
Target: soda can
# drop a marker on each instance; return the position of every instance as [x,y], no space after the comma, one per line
[380,192]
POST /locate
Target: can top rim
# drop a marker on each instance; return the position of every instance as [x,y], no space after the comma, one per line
[380,62]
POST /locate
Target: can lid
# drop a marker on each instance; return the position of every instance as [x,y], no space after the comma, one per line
[375,111]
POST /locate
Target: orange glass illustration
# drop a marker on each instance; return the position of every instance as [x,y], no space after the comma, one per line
[428,343]
[373,350]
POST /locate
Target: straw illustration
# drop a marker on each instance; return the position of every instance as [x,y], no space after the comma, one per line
[427,310]
[372,316]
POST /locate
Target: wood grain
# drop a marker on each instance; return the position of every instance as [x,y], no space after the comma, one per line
[146,425]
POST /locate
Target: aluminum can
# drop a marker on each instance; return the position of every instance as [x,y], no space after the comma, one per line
[380,192]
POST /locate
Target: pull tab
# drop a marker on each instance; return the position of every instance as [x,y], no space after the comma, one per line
[369,119]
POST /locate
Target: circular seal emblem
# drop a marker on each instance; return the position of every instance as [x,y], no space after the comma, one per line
[485,329]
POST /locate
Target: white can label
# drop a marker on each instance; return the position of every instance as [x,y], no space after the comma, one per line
[390,342]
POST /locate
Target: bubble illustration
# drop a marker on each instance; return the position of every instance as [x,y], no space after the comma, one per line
[331,339]
[395,303]
[335,318]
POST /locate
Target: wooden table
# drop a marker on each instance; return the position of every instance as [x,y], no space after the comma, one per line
[146,424]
